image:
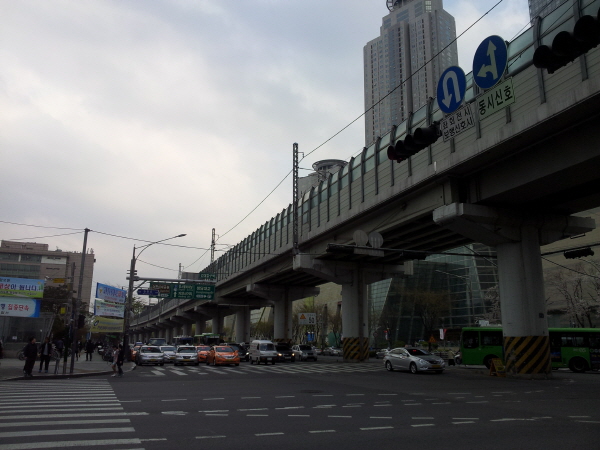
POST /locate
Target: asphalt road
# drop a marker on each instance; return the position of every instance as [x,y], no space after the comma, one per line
[301,405]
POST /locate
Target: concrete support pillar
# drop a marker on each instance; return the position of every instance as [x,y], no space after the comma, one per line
[217,324]
[200,326]
[185,329]
[353,278]
[282,298]
[517,237]
[242,325]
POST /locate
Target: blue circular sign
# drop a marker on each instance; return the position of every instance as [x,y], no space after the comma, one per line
[451,89]
[489,62]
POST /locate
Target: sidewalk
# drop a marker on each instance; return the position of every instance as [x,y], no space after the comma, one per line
[12,368]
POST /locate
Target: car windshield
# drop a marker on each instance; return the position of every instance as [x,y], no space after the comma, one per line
[187,350]
[167,349]
[224,349]
[417,352]
[305,347]
[203,348]
[150,350]
[282,347]
[267,347]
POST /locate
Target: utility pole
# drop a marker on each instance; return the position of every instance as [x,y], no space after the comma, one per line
[295,248]
[77,302]
[212,248]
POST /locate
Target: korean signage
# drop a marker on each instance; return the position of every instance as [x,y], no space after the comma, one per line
[307,319]
[184,291]
[205,276]
[21,287]
[112,294]
[110,309]
[454,124]
[496,99]
[105,325]
[19,307]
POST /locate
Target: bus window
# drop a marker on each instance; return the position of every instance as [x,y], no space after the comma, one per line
[491,338]
[471,339]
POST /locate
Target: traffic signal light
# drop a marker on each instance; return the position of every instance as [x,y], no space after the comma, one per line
[414,143]
[566,45]
[578,253]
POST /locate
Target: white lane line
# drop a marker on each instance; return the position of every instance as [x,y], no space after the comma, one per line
[465,418]
[268,434]
[62,444]
[257,415]
[63,404]
[215,398]
[153,439]
[323,406]
[463,422]
[387,394]
[156,372]
[422,418]
[384,404]
[340,417]
[322,395]
[119,408]
[291,407]
[129,401]
[322,431]
[412,404]
[379,417]
[253,409]
[174,400]
[215,411]
[423,425]
[65,422]
[174,413]
[57,416]
[217,415]
[210,437]
[352,406]
[23,433]
[376,428]
[298,415]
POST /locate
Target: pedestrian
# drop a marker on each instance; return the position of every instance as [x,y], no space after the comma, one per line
[120,359]
[60,345]
[30,351]
[45,354]
[78,349]
[89,349]
[115,357]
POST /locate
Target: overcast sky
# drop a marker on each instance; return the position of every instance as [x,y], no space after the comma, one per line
[147,119]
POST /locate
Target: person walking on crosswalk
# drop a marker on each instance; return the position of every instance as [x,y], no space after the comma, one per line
[120,359]
[45,353]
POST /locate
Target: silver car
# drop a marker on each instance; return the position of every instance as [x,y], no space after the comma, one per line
[413,359]
[149,354]
[186,354]
[304,352]
[169,352]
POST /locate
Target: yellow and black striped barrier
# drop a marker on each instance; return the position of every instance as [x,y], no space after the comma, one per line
[354,351]
[527,356]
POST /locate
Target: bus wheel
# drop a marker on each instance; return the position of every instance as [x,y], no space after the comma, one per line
[488,360]
[578,365]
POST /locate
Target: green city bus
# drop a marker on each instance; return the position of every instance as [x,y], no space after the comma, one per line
[207,339]
[575,348]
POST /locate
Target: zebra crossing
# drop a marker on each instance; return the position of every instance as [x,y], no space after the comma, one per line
[247,369]
[63,413]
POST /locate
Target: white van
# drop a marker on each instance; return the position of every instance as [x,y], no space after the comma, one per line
[262,351]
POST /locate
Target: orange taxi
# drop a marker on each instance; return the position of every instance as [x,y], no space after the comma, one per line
[222,354]
[203,351]
[135,350]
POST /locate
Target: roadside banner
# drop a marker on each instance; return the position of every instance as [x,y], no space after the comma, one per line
[110,293]
[19,307]
[108,309]
[21,287]
[106,325]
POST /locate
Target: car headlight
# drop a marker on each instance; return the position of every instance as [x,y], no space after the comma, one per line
[423,362]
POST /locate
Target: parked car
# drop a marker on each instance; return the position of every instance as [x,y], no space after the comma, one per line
[149,354]
[169,352]
[332,351]
[304,352]
[242,352]
[186,354]
[413,359]
[285,352]
[202,352]
[318,351]
[221,355]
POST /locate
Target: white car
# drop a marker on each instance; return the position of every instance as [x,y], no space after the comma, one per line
[169,352]
[304,352]
[149,354]
[413,359]
[186,354]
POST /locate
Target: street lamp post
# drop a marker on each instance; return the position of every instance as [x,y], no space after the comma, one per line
[130,291]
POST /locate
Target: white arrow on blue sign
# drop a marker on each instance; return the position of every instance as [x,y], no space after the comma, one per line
[451,89]
[147,292]
[489,62]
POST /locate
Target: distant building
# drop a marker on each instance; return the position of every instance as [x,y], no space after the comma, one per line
[402,66]
[543,7]
[56,267]
[322,170]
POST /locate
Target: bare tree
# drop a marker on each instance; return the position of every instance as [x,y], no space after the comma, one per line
[492,300]
[431,306]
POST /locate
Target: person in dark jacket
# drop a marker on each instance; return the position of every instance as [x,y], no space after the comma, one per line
[30,351]
[89,349]
[45,354]
[120,359]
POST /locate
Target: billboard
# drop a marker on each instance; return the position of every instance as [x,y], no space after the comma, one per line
[19,307]
[21,287]
[106,325]
[108,309]
[112,294]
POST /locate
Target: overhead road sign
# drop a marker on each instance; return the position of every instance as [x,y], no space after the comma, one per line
[451,89]
[496,99]
[186,291]
[205,276]
[307,318]
[457,122]
[152,292]
[489,62]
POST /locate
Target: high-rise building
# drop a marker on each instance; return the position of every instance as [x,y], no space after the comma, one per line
[542,7]
[402,66]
